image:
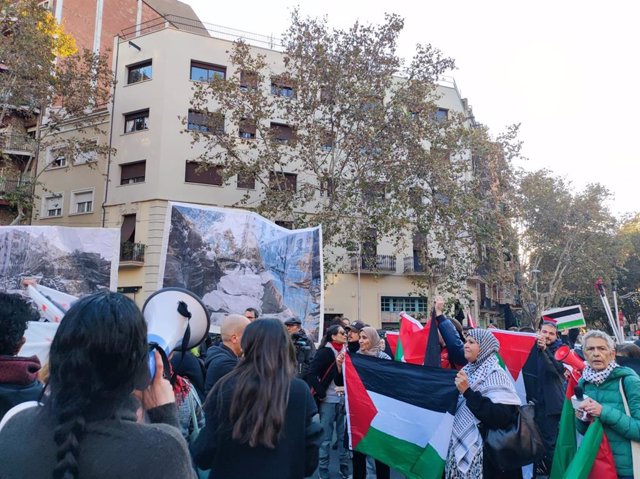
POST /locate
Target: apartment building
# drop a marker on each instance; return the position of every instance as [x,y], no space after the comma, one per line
[156,65]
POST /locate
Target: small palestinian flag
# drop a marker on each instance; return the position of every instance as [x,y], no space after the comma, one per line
[519,355]
[565,318]
[412,340]
[400,414]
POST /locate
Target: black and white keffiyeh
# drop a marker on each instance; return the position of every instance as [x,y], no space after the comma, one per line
[590,375]
[487,377]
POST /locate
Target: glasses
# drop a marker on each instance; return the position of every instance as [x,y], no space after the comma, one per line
[342,333]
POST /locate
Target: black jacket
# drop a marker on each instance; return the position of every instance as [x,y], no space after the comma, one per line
[191,367]
[18,381]
[550,390]
[305,351]
[220,361]
[118,447]
[322,371]
[294,457]
[493,416]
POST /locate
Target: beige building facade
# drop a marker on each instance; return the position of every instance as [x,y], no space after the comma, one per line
[155,72]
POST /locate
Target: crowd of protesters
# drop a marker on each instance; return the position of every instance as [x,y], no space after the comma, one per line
[262,402]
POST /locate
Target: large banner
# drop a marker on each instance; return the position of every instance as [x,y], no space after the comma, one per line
[76,261]
[234,260]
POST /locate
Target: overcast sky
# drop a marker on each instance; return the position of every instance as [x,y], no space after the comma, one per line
[566,70]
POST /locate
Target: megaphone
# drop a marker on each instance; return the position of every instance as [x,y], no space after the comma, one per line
[568,357]
[176,318]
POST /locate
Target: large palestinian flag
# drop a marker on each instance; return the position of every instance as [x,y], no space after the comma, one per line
[400,413]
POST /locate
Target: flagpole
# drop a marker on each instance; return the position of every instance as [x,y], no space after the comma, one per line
[607,308]
[615,306]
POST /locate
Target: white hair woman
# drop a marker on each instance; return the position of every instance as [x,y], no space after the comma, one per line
[487,396]
[605,383]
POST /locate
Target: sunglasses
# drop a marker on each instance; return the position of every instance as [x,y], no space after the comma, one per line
[342,333]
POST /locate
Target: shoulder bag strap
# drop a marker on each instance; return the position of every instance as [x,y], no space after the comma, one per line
[635,446]
[194,403]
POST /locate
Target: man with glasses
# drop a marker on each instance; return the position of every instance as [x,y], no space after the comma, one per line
[251,314]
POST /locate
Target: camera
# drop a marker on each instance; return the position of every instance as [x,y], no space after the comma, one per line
[300,341]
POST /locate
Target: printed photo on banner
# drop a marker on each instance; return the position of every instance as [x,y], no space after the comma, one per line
[72,261]
[234,259]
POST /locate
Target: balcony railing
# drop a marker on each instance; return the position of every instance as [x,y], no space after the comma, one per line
[132,252]
[16,143]
[373,263]
[10,185]
[413,265]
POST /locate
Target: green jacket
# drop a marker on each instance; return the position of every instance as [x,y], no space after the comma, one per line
[619,428]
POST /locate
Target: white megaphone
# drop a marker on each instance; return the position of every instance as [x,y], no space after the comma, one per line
[176,318]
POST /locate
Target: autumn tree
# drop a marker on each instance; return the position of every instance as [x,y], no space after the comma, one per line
[50,90]
[628,273]
[349,136]
[566,240]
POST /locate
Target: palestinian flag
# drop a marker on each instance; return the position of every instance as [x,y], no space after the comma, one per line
[412,340]
[518,354]
[565,318]
[400,414]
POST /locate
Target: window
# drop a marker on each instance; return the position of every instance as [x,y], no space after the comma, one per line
[53,205]
[132,172]
[128,229]
[246,181]
[248,81]
[210,175]
[327,141]
[283,181]
[82,202]
[206,71]
[205,122]
[282,133]
[57,158]
[327,186]
[88,155]
[442,114]
[282,87]
[136,121]
[139,72]
[247,129]
[397,304]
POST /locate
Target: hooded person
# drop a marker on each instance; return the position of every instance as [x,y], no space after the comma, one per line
[18,375]
[487,396]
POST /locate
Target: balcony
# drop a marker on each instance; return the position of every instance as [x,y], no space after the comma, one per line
[10,185]
[16,144]
[380,263]
[413,265]
[132,255]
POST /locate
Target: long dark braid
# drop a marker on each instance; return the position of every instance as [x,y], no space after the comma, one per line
[97,357]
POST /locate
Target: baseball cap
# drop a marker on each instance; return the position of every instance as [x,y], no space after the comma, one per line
[356,325]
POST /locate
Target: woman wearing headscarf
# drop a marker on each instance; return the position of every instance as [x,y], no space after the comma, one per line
[605,382]
[370,345]
[487,398]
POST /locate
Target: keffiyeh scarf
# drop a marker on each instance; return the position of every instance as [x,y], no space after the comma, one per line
[590,375]
[487,377]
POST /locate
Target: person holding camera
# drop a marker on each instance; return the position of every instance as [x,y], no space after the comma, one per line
[305,349]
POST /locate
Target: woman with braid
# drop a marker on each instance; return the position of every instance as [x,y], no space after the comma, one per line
[86,427]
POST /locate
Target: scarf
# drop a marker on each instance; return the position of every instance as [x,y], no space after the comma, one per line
[374,340]
[19,370]
[590,375]
[337,347]
[489,379]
